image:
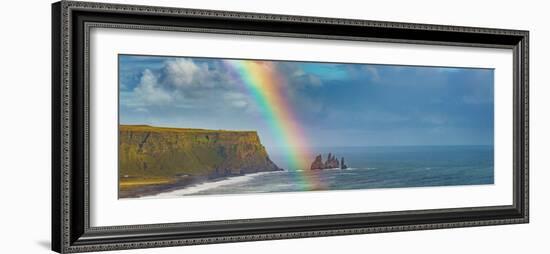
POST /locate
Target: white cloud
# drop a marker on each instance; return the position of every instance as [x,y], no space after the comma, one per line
[372,72]
[298,72]
[314,80]
[183,72]
[239,103]
[186,83]
[149,90]
[236,99]
[297,77]
[142,110]
[233,96]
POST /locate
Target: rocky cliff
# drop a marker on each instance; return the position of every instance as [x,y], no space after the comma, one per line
[148,152]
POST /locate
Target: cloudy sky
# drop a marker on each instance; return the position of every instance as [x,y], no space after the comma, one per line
[335,104]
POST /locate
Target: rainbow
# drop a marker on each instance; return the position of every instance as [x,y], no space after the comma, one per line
[262,81]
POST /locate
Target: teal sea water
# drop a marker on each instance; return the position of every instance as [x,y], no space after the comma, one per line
[369,167]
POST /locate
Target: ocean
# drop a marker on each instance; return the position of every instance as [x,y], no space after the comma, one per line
[369,168]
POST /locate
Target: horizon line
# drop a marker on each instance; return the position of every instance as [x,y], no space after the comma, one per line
[284,147]
[352,146]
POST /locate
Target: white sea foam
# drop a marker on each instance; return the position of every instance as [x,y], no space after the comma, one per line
[346,169]
[193,189]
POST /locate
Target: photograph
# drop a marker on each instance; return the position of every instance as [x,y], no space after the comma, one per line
[180,124]
[193,125]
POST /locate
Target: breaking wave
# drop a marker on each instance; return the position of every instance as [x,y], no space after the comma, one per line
[194,189]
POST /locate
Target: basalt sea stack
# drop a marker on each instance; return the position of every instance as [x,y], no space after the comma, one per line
[332,162]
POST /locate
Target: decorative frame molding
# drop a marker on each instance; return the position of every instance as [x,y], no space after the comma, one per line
[71,23]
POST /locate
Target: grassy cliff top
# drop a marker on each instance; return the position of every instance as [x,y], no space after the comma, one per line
[148,128]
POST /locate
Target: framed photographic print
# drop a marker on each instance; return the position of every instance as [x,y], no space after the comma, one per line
[181,126]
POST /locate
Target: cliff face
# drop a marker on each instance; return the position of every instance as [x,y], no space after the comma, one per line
[146,151]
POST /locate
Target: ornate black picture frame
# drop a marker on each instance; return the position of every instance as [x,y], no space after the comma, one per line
[71,230]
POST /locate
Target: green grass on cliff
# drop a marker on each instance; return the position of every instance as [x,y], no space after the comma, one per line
[148,128]
[146,151]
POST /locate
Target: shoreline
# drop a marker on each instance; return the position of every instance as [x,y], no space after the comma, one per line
[177,184]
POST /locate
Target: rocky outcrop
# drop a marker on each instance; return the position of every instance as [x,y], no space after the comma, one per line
[146,151]
[318,163]
[343,164]
[331,162]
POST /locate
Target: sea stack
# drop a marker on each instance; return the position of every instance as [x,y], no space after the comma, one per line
[343,164]
[317,163]
[331,162]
